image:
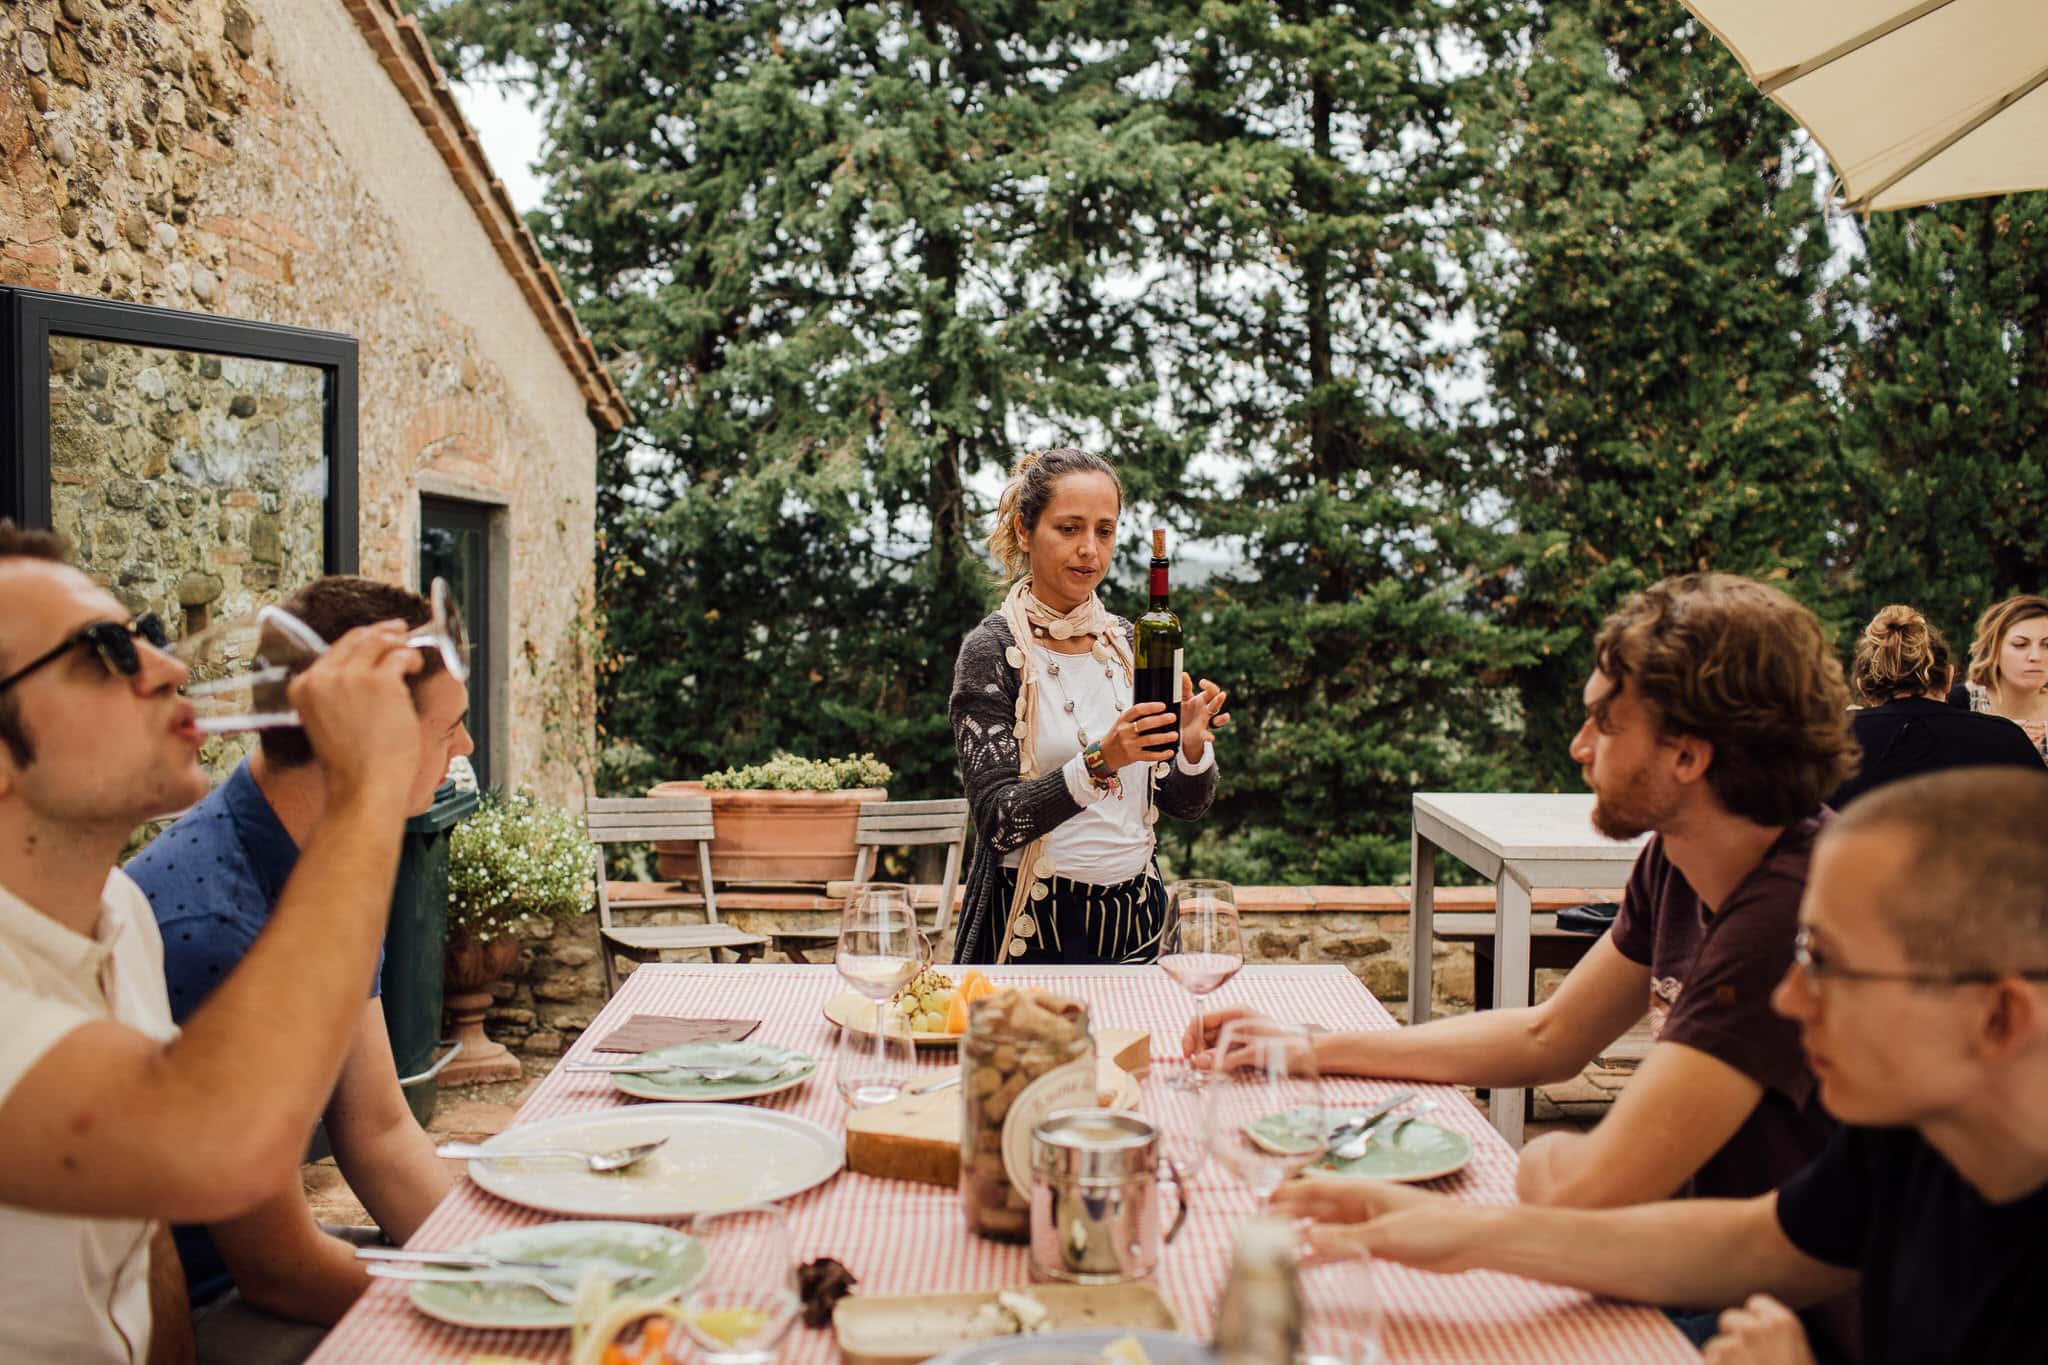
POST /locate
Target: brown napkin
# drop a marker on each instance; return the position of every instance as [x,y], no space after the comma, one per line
[646,1032]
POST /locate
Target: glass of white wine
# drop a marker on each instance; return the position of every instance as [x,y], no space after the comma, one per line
[1263,1106]
[239,666]
[880,950]
[741,1307]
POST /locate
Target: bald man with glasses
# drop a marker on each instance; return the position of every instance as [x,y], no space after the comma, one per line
[112,1118]
[1920,987]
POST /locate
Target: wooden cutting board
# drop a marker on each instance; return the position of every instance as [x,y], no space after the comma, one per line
[918,1137]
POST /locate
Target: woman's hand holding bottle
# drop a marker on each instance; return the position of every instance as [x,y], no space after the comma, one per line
[1143,734]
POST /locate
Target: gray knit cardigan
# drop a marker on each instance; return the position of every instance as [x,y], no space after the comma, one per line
[1008,811]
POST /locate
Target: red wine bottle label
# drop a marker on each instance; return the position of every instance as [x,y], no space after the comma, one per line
[1159,581]
[1173,698]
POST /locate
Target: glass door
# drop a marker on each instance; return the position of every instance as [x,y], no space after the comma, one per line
[455,545]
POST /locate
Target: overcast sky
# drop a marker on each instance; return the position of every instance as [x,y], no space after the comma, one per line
[510,133]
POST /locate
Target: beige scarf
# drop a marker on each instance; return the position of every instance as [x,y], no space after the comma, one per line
[1021,611]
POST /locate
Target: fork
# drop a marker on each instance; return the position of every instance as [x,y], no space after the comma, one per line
[385,1270]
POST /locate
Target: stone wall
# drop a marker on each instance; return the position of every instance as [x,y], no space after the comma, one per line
[252,159]
[558,986]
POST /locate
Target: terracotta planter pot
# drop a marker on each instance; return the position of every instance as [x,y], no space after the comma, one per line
[472,966]
[771,836]
[469,968]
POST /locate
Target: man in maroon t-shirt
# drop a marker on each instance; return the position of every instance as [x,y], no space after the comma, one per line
[1716,716]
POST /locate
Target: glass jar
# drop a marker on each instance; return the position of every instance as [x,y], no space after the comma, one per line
[1026,1053]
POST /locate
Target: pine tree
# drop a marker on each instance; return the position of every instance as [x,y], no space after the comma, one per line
[844,261]
[1301,294]
[1650,257]
[1947,403]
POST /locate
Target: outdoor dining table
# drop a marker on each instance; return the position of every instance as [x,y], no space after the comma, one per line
[898,1237]
[1521,842]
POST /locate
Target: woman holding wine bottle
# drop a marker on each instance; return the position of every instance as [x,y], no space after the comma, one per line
[1075,729]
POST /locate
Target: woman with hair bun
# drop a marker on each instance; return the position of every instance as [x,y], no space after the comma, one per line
[1065,776]
[1902,671]
[2009,667]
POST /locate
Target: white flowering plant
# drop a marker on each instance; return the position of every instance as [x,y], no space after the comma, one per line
[788,773]
[518,857]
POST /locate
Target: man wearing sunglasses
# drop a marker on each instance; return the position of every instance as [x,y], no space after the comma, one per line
[1920,988]
[213,879]
[112,1118]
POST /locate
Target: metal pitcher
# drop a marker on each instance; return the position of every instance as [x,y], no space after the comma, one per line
[1095,1197]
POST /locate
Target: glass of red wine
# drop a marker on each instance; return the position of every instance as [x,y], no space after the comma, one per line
[1202,948]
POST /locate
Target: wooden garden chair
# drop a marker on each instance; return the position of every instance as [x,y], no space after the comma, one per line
[674,819]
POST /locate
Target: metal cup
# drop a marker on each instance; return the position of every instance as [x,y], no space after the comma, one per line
[1095,1198]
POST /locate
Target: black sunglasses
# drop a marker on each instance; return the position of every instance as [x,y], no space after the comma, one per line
[114,640]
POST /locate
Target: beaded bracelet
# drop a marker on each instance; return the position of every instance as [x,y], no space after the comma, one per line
[1099,772]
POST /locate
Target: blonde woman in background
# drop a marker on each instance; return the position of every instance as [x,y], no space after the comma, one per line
[1902,673]
[2009,667]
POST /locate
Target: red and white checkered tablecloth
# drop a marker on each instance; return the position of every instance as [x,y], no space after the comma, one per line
[899,1237]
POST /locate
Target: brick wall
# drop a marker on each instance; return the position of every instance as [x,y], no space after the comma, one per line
[254,159]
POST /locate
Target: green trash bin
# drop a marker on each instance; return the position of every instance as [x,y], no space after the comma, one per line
[413,945]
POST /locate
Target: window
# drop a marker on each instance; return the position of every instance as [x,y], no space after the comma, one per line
[455,544]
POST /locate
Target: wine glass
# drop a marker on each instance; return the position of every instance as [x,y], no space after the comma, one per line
[239,666]
[1341,1312]
[1201,948]
[879,951]
[1263,1109]
[742,1305]
[872,1069]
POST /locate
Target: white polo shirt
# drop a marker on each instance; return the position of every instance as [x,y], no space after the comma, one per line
[75,1289]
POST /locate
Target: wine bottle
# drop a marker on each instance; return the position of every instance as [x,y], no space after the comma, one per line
[1156,648]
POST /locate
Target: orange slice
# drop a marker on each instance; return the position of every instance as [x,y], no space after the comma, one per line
[973,986]
[956,1013]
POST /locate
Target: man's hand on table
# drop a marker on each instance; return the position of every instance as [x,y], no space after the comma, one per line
[1393,1222]
[1761,1332]
[1198,1044]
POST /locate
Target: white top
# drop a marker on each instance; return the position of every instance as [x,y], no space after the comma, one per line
[1522,825]
[75,1289]
[1108,841]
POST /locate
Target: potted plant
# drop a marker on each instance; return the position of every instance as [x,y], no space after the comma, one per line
[517,858]
[787,820]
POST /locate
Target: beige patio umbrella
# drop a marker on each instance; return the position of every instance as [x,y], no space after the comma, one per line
[1914,101]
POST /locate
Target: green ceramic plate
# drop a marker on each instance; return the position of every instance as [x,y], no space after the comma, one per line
[1418,1151]
[674,1258]
[1289,1132]
[753,1059]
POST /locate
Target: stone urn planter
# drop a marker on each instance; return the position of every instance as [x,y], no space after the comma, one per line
[470,968]
[771,836]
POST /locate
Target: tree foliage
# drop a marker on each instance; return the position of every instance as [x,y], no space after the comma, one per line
[1447,322]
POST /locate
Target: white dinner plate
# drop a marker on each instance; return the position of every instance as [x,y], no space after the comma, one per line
[672,1259]
[685,1086]
[717,1157]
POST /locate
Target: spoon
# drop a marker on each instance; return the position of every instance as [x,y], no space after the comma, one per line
[617,1159]
[1355,1147]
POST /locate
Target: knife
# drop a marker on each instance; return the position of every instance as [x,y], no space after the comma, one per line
[469,1259]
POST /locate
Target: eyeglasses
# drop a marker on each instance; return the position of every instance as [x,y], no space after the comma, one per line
[1818,965]
[114,640]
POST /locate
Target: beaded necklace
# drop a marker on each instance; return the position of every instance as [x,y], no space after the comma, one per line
[1052,671]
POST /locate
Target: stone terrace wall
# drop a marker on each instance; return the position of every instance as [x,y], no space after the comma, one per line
[251,158]
[559,984]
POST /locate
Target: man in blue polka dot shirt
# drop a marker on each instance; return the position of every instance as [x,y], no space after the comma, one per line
[213,879]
